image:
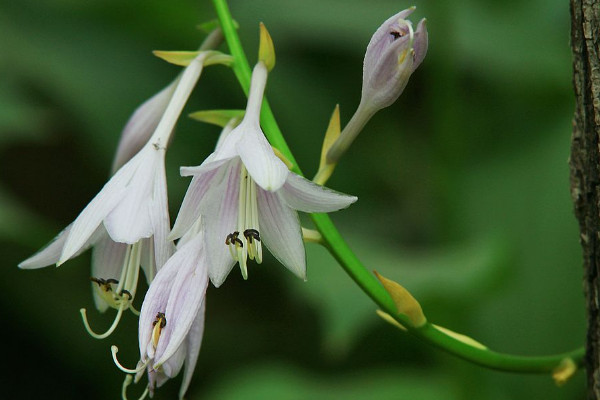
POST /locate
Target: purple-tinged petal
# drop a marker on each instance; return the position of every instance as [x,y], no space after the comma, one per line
[193,343]
[185,298]
[219,211]
[155,380]
[156,300]
[173,365]
[190,207]
[382,38]
[280,231]
[304,195]
[391,72]
[390,61]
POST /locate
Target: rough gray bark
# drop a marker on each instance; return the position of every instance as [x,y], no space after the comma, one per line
[585,168]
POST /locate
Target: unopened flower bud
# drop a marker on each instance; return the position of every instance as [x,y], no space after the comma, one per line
[394,52]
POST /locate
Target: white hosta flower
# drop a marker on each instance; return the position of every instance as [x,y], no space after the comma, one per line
[132,209]
[171,322]
[247,197]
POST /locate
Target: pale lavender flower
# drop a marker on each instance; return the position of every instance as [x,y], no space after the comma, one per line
[247,196]
[393,54]
[171,322]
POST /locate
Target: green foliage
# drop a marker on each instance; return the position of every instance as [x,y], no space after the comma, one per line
[463,188]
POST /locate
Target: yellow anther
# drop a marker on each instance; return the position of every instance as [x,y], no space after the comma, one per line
[159,323]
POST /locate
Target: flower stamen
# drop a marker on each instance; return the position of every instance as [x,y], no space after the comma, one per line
[248,224]
[159,323]
[251,234]
[121,297]
[233,242]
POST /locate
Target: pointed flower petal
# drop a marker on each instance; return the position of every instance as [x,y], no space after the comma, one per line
[51,253]
[303,195]
[281,232]
[220,210]
[93,214]
[48,255]
[193,342]
[185,298]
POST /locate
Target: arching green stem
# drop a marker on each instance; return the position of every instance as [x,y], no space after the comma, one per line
[340,250]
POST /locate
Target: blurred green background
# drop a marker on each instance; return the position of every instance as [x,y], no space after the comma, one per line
[463,188]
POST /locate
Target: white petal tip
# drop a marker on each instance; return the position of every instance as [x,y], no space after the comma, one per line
[217,283]
[24,265]
[299,272]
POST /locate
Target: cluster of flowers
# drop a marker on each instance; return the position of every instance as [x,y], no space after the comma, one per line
[241,197]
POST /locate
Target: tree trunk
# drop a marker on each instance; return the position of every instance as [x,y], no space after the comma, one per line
[585,168]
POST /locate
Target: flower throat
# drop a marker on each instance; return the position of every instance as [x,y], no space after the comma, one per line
[245,241]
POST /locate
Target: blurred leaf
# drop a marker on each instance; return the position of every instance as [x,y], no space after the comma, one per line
[288,382]
[19,225]
[20,118]
[217,117]
[452,276]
